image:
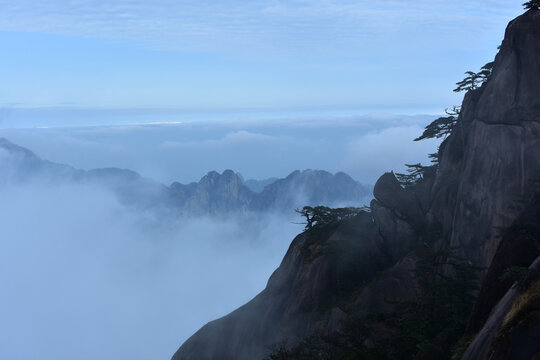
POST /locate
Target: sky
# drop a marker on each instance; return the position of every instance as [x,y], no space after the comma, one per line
[263,55]
[362,146]
[173,90]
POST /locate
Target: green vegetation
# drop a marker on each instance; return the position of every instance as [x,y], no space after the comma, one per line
[323,215]
[439,127]
[442,126]
[474,80]
[524,304]
[428,327]
[532,4]
[434,322]
[415,173]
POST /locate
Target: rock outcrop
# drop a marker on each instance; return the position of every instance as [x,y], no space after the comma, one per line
[488,172]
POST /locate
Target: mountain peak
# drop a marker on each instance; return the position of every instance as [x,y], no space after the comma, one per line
[13,149]
[511,94]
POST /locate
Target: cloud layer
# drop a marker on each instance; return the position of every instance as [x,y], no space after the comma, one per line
[85,278]
[364,147]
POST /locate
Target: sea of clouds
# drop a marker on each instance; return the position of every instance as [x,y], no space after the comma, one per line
[85,277]
[362,146]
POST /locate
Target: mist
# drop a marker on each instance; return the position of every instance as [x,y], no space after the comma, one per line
[85,277]
[89,276]
[362,146]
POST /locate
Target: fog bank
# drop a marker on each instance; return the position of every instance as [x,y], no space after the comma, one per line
[87,278]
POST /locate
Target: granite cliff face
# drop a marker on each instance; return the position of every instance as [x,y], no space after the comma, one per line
[491,160]
[486,181]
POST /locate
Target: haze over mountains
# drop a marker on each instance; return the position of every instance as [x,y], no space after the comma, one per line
[214,194]
[359,145]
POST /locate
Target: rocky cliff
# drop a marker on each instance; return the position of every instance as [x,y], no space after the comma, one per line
[369,267]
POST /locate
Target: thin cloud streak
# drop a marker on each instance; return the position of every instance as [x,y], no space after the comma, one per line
[205,25]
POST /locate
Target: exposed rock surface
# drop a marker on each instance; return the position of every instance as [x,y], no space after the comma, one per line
[299,296]
[519,247]
[491,160]
[488,169]
[504,337]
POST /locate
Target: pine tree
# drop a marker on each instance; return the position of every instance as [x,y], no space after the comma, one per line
[471,82]
[415,172]
[474,80]
[442,126]
[323,215]
[532,4]
[438,128]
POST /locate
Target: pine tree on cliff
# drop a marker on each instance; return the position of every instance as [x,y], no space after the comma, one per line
[442,126]
[532,4]
[474,80]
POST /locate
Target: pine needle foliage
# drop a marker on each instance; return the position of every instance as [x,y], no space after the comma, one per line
[474,80]
[532,4]
[323,215]
[415,172]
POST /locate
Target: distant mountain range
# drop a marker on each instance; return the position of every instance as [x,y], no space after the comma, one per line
[214,194]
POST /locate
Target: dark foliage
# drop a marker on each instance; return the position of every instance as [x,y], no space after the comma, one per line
[474,80]
[434,158]
[415,173]
[430,326]
[442,126]
[532,4]
[438,128]
[427,328]
[323,215]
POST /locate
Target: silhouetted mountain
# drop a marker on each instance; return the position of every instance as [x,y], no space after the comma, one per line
[398,281]
[312,187]
[219,193]
[214,194]
[22,166]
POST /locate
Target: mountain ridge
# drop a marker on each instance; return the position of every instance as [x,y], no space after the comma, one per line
[214,194]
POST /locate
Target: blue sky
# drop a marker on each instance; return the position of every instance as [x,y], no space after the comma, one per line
[394,56]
